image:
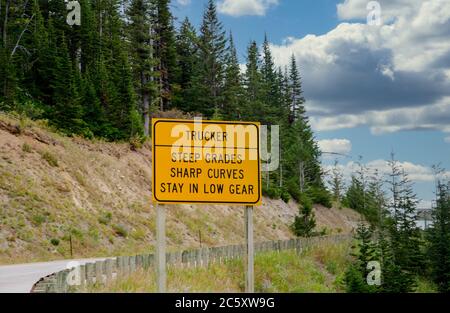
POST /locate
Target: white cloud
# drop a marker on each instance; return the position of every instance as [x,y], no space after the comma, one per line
[243,68]
[184,2]
[392,77]
[340,146]
[432,117]
[238,8]
[415,172]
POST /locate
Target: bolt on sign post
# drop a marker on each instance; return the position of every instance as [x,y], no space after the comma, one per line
[205,162]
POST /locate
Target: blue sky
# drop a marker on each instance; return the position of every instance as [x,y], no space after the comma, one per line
[370,89]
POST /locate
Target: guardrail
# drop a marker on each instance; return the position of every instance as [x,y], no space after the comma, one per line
[108,269]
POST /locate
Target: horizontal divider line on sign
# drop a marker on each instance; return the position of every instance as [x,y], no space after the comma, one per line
[205,147]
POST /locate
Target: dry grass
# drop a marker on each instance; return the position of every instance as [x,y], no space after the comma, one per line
[284,272]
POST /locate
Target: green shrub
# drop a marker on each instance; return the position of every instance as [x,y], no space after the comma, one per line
[304,223]
[354,280]
[26,148]
[120,230]
[105,219]
[320,195]
[38,219]
[50,158]
[294,190]
[272,192]
[285,196]
[54,242]
[76,233]
[29,109]
[136,142]
[305,201]
[138,234]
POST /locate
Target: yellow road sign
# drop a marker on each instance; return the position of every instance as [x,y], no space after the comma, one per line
[196,161]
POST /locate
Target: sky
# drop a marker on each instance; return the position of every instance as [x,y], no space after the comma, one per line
[376,74]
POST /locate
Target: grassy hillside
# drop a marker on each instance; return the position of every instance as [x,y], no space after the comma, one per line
[53,187]
[319,269]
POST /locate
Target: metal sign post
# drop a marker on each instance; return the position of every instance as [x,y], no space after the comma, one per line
[161,275]
[249,277]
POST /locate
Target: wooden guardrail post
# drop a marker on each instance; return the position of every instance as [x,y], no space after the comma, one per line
[99,272]
[109,270]
[82,273]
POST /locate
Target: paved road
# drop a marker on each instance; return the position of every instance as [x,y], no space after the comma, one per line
[21,277]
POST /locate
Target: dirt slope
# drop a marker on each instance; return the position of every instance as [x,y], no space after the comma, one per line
[53,186]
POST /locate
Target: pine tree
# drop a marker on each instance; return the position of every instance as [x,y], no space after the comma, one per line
[15,23]
[439,239]
[354,197]
[404,234]
[297,110]
[66,112]
[232,92]
[212,53]
[165,52]
[255,106]
[272,92]
[121,101]
[337,183]
[365,194]
[142,61]
[185,98]
[366,251]
[376,200]
[305,222]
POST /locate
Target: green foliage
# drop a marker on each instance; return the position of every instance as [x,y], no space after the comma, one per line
[305,222]
[399,246]
[120,230]
[366,196]
[271,192]
[320,195]
[294,190]
[365,251]
[355,282]
[105,218]
[50,158]
[55,242]
[285,196]
[439,239]
[404,234]
[26,148]
[305,201]
[38,219]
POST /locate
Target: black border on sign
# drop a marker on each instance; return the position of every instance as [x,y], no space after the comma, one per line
[207,122]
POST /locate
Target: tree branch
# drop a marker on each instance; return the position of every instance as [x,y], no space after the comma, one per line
[21,35]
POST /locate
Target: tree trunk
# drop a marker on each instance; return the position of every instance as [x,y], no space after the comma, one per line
[1,32]
[5,22]
[145,104]
[302,176]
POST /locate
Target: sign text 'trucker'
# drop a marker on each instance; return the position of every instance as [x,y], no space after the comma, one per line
[206,162]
